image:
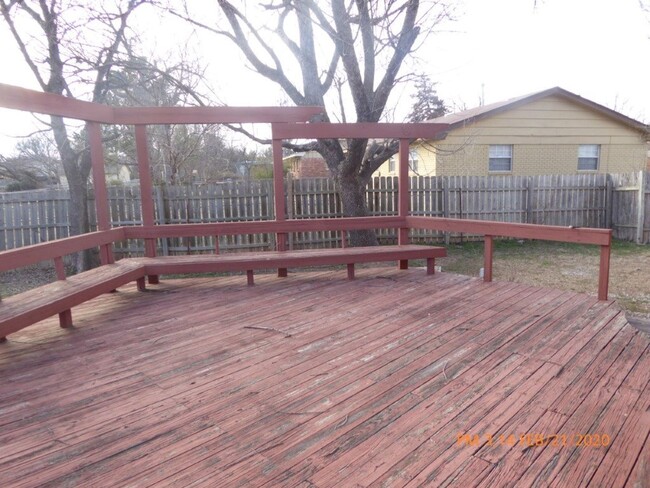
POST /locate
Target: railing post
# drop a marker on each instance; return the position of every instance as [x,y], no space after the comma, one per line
[403,195]
[278,198]
[487,258]
[65,317]
[603,271]
[99,184]
[146,192]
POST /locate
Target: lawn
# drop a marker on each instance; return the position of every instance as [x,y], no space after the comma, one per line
[564,266]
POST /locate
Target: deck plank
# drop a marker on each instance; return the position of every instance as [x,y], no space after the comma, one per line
[325,382]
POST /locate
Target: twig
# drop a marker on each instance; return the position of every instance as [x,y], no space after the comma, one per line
[444,367]
[270,329]
[341,424]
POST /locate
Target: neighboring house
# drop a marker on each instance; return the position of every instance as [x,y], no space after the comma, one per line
[550,132]
[308,164]
[118,174]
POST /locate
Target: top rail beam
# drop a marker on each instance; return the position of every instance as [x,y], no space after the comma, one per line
[213,115]
[17,98]
[361,130]
[27,100]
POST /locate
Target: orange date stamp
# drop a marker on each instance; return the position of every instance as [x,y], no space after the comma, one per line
[533,439]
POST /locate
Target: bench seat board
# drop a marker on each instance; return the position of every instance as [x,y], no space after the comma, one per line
[284,259]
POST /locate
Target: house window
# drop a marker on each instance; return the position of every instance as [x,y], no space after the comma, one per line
[413,162]
[500,158]
[391,165]
[588,156]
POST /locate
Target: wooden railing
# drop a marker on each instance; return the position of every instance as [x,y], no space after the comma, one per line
[285,125]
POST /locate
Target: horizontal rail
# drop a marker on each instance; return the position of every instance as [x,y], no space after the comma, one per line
[24,256]
[601,237]
[261,227]
[361,130]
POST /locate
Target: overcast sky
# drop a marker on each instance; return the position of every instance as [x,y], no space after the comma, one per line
[498,49]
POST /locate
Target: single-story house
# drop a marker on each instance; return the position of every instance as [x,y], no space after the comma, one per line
[308,164]
[550,132]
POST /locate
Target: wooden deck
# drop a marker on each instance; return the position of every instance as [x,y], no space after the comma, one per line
[394,379]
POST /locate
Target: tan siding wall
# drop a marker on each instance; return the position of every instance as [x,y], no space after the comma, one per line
[426,164]
[545,135]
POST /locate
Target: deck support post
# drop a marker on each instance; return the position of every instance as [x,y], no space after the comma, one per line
[403,196]
[65,319]
[487,258]
[146,193]
[278,198]
[431,266]
[603,272]
[250,277]
[141,284]
[99,185]
[350,271]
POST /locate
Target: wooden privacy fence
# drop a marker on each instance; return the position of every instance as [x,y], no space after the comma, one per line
[594,200]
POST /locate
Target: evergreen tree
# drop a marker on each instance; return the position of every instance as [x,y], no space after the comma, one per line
[426,103]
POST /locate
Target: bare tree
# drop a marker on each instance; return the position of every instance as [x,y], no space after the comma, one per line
[71,47]
[313,46]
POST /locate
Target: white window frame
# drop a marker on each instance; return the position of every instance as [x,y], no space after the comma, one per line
[589,154]
[391,164]
[499,153]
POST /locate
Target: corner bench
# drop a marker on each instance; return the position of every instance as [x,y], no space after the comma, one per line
[27,308]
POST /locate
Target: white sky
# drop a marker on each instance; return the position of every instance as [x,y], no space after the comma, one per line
[505,48]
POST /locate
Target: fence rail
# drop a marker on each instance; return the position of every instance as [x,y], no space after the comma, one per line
[618,201]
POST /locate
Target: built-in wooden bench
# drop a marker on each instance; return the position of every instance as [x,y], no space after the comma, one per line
[27,308]
[250,261]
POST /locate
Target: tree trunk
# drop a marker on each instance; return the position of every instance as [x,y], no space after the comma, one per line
[77,169]
[353,198]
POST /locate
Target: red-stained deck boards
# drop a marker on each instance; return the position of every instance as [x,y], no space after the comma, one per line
[315,380]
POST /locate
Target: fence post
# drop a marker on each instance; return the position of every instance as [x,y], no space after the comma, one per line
[609,201]
[529,199]
[640,208]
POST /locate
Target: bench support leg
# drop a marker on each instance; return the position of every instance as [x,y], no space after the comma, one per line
[249,277]
[65,319]
[403,264]
[153,279]
[282,273]
[431,266]
[350,271]
[141,284]
[3,339]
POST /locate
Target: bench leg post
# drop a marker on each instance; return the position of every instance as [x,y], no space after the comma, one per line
[65,319]
[3,339]
[282,273]
[431,266]
[249,277]
[350,271]
[153,279]
[141,284]
[403,264]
